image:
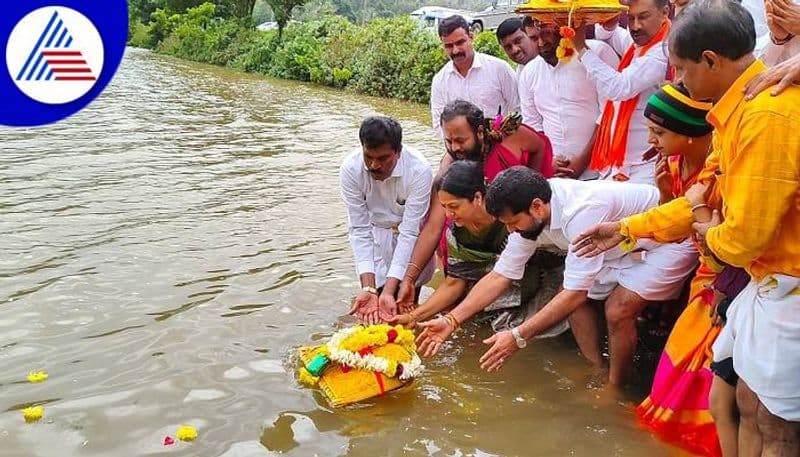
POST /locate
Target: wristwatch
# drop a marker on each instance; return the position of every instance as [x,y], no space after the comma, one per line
[369,289]
[521,342]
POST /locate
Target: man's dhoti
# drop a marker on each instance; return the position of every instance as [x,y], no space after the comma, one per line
[659,276]
[763,337]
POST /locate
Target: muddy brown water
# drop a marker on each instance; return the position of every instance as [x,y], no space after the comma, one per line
[165,251]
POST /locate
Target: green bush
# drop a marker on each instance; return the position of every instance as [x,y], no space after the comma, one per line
[387,57]
[258,56]
[139,34]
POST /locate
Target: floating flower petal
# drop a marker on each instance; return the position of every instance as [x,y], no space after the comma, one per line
[186,433]
[37,376]
[33,413]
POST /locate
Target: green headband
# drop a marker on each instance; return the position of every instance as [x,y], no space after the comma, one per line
[674,110]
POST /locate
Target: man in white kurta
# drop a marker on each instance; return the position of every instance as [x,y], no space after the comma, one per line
[558,98]
[643,76]
[386,188]
[548,214]
[481,79]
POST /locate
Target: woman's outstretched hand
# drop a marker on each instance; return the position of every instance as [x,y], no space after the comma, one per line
[434,333]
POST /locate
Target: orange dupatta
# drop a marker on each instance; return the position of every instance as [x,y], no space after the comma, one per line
[608,151]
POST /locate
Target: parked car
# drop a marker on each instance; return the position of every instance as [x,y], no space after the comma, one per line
[429,16]
[493,15]
[488,19]
[272,25]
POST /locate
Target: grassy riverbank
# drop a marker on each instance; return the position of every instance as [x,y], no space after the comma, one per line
[386,57]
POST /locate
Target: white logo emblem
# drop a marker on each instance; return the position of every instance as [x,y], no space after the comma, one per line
[54,55]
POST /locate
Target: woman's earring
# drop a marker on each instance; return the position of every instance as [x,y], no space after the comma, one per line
[690,140]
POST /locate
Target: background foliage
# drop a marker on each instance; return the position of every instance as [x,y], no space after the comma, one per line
[387,57]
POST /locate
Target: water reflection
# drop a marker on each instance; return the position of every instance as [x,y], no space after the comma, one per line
[166,250]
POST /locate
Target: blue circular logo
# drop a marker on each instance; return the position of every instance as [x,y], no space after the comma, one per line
[59,56]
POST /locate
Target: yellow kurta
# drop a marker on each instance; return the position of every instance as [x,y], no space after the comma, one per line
[758,179]
[756,160]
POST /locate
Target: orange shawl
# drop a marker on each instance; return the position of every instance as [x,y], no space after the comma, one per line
[608,151]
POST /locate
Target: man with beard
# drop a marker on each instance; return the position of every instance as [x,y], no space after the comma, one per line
[621,139]
[547,214]
[467,137]
[559,99]
[515,41]
[484,80]
[386,188]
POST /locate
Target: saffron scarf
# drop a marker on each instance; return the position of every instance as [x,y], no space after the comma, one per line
[610,147]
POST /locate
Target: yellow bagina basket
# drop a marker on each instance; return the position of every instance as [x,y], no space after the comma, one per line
[351,386]
[583,11]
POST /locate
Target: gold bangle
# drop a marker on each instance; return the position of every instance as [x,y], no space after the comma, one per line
[451,320]
[412,264]
[696,207]
[455,321]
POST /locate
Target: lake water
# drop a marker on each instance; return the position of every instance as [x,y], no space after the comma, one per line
[164,253]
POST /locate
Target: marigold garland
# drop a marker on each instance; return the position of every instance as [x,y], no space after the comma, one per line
[352,347]
[566,48]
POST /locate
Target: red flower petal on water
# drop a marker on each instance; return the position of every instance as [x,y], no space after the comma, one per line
[391,335]
[168,441]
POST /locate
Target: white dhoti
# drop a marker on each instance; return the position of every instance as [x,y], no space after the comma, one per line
[763,337]
[659,276]
[384,238]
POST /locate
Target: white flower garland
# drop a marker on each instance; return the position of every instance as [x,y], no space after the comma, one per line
[370,362]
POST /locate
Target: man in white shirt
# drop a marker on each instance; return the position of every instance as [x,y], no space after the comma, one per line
[515,41]
[386,189]
[481,79]
[548,214]
[621,139]
[559,99]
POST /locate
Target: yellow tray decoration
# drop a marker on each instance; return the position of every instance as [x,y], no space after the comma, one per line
[361,362]
[565,13]
[559,11]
